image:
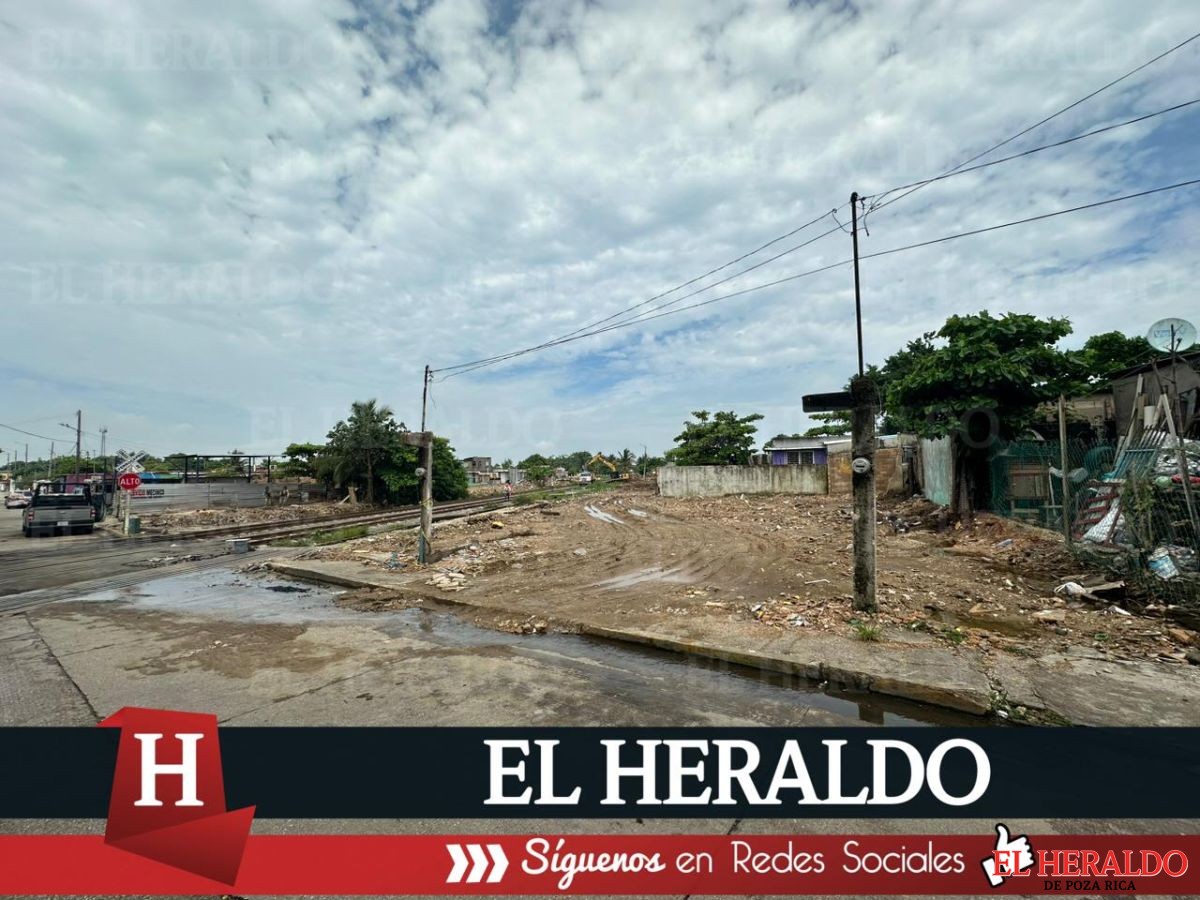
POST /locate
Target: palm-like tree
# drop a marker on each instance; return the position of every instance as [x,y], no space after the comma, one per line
[360,442]
[625,460]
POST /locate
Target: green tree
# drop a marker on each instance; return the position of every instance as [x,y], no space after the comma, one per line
[1103,355]
[360,443]
[398,473]
[301,460]
[719,439]
[536,468]
[979,378]
[829,423]
[625,460]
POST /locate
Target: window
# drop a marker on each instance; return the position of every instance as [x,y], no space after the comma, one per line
[793,457]
[807,457]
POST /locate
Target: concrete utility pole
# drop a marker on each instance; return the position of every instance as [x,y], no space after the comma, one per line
[857,291]
[426,535]
[78,438]
[862,450]
[1064,463]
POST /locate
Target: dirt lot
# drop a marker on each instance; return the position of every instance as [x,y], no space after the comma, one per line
[776,563]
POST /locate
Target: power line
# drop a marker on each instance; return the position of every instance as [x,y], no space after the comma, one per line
[1041,122]
[1032,150]
[464,368]
[939,240]
[478,363]
[30,433]
[1038,218]
[961,168]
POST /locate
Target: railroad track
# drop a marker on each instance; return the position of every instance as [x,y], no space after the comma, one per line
[33,577]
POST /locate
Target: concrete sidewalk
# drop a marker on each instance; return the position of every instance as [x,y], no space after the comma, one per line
[1077,688]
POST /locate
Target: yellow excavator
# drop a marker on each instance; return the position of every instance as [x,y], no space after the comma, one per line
[604,460]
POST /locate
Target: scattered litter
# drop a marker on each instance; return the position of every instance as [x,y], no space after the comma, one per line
[1162,565]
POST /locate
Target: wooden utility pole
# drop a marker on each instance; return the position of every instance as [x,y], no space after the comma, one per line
[1064,463]
[862,474]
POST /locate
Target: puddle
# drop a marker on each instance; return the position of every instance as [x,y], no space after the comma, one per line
[639,513]
[651,675]
[644,576]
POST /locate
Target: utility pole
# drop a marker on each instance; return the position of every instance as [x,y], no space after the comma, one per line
[78,438]
[862,475]
[863,402]
[50,465]
[426,447]
[857,290]
[1064,462]
[103,441]
[862,451]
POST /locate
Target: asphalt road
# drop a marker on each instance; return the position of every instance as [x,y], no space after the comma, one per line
[55,567]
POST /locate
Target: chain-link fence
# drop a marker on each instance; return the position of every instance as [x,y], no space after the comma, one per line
[1129,509]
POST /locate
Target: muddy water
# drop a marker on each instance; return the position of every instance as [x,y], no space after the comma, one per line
[267,599]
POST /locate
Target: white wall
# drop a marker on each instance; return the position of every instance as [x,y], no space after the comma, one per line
[716,481]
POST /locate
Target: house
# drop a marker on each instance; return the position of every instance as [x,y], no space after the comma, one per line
[1157,378]
[479,469]
[812,451]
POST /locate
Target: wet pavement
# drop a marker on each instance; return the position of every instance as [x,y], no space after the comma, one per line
[237,600]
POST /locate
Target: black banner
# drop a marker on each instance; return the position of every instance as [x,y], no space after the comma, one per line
[451,773]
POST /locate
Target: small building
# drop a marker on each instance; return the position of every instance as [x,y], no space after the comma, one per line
[479,469]
[812,451]
[1160,378]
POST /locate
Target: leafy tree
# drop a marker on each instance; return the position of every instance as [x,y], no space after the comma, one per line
[719,439]
[301,460]
[536,467]
[979,378]
[830,423]
[1103,355]
[647,463]
[398,472]
[361,442]
[625,460]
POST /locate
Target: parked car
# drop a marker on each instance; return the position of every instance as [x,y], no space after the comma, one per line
[60,508]
[17,499]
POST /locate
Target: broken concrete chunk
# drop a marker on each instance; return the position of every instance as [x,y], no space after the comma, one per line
[1054,616]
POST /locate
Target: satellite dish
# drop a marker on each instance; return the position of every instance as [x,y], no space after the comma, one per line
[1171,335]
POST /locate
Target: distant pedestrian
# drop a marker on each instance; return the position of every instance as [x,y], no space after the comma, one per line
[508,490]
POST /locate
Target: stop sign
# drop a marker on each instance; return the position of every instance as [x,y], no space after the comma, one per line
[130,481]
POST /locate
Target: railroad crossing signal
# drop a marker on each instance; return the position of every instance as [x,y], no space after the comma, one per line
[130,461]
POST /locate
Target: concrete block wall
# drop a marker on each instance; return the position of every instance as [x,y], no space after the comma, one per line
[717,481]
[889,471]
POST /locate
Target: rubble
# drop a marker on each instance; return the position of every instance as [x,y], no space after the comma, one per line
[783,563]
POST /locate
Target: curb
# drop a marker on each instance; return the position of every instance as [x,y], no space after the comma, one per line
[886,685]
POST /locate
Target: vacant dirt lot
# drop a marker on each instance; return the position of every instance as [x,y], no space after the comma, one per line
[773,563]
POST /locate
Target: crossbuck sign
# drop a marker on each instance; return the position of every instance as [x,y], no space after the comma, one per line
[130,461]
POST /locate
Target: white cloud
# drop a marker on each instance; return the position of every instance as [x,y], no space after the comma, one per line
[238,218]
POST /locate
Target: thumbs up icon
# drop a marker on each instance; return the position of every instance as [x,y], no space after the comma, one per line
[1012,856]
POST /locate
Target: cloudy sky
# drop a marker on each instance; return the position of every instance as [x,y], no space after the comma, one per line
[222,222]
